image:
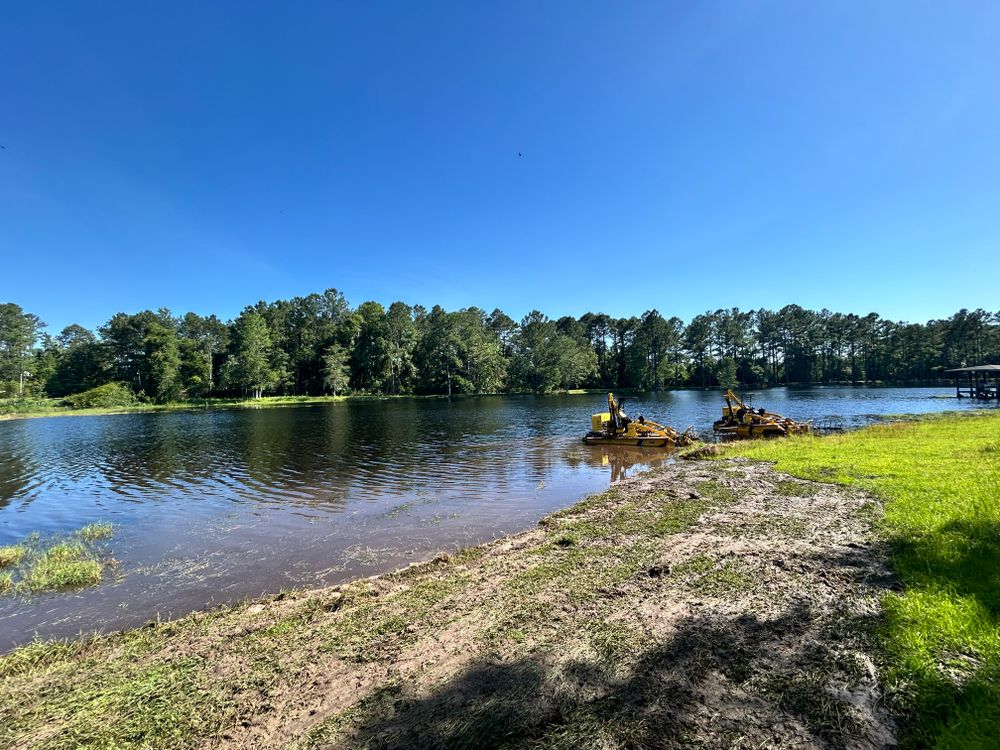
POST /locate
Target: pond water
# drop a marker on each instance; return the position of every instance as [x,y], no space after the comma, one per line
[212,506]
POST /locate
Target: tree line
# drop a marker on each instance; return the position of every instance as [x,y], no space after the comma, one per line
[318,344]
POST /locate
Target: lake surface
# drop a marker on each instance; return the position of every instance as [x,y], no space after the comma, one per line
[212,506]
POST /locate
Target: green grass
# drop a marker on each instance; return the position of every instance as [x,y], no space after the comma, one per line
[716,490]
[121,701]
[940,481]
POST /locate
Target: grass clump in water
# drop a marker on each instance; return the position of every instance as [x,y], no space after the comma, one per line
[94,532]
[64,562]
[66,565]
[941,487]
[12,555]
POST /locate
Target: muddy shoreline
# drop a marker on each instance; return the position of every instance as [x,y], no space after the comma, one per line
[699,603]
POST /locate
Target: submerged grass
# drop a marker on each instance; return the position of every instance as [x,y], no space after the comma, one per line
[66,565]
[94,532]
[12,555]
[68,562]
[940,480]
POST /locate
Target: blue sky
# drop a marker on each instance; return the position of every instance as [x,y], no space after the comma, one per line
[683,156]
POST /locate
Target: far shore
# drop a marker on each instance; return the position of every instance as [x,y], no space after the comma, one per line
[53,407]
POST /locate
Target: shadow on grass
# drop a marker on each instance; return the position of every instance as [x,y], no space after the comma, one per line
[714,681]
[947,634]
[962,556]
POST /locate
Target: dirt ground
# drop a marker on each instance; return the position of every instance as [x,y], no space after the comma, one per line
[705,604]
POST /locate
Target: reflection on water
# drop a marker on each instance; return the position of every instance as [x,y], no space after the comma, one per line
[623,461]
[215,505]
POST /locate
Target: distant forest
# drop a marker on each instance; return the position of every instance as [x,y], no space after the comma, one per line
[319,344]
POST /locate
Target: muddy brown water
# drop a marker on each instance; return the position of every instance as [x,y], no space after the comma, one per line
[217,505]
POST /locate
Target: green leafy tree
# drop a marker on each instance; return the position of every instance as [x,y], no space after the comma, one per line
[405,349]
[438,356]
[481,364]
[163,358]
[336,372]
[124,339]
[195,368]
[725,373]
[371,361]
[623,335]
[546,359]
[19,332]
[599,335]
[503,328]
[254,365]
[81,362]
[698,340]
[402,333]
[45,362]
[650,348]
[209,336]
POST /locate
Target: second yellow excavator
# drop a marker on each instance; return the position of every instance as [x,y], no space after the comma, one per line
[614,427]
[740,421]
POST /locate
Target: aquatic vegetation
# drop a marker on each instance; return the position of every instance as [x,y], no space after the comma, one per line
[64,565]
[63,562]
[12,555]
[93,532]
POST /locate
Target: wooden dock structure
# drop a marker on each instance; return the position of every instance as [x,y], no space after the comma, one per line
[984,382]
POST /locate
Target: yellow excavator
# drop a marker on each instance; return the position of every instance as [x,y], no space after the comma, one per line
[614,427]
[741,421]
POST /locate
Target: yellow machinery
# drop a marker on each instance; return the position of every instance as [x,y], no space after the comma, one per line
[614,427]
[740,421]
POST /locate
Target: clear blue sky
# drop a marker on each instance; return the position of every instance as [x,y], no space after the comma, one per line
[684,156]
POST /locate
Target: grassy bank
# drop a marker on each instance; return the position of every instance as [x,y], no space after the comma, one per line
[940,480]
